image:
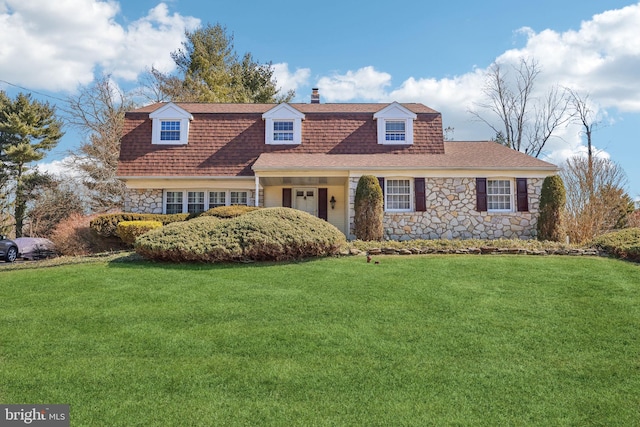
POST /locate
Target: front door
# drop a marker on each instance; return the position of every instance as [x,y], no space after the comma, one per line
[305,200]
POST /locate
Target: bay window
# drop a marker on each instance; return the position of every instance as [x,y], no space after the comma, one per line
[189,201]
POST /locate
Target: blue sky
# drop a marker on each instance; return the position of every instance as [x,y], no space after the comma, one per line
[429,52]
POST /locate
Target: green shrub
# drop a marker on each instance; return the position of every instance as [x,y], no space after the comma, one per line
[623,244]
[106,225]
[128,231]
[269,234]
[229,211]
[369,209]
[552,201]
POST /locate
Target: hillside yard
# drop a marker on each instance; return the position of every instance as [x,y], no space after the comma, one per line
[414,340]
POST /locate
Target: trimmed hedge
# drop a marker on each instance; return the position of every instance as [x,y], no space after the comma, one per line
[106,225]
[268,234]
[622,244]
[229,211]
[128,231]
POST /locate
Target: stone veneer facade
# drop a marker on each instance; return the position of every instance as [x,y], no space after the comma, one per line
[451,214]
[143,201]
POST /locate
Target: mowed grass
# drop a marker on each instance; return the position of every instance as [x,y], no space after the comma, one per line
[417,340]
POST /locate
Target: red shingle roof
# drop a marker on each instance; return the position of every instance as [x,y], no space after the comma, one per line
[227,139]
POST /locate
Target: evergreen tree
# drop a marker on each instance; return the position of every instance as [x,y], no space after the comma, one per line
[28,130]
[209,70]
[552,201]
[369,209]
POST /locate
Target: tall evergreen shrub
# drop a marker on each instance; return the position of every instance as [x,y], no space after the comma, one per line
[368,209]
[552,202]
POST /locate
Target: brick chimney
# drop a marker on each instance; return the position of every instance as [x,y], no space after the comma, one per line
[315,96]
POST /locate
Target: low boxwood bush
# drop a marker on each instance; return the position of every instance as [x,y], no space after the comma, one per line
[229,211]
[623,244]
[128,231]
[106,225]
[268,234]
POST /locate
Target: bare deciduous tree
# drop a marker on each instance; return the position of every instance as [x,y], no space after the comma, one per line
[98,112]
[52,204]
[585,116]
[526,122]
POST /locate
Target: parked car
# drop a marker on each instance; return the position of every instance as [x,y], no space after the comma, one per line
[34,248]
[8,249]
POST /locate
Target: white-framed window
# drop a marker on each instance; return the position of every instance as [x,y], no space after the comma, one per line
[397,195]
[169,130]
[283,125]
[170,125]
[283,130]
[499,195]
[238,198]
[395,130]
[196,201]
[173,202]
[217,198]
[395,125]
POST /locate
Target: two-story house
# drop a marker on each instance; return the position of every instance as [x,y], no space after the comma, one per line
[189,157]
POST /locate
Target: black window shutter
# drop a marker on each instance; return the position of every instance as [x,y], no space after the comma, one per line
[286,198]
[323,213]
[481,194]
[421,201]
[522,196]
[381,182]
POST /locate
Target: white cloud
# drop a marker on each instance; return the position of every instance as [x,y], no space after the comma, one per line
[58,45]
[286,80]
[59,168]
[365,83]
[600,59]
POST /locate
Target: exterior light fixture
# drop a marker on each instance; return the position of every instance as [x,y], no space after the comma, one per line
[333,202]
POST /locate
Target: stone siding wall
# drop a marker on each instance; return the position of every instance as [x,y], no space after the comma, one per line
[451,214]
[143,201]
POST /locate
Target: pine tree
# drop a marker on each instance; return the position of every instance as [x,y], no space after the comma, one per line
[28,130]
[209,70]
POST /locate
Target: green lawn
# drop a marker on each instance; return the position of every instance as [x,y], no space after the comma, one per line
[416,340]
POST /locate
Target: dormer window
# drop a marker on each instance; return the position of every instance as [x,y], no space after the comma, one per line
[395,125]
[283,125]
[395,130]
[283,130]
[169,130]
[170,125]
